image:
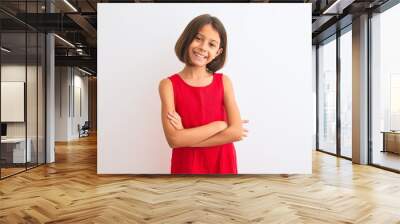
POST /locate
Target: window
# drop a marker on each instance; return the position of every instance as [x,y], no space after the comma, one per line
[346,93]
[385,88]
[327,96]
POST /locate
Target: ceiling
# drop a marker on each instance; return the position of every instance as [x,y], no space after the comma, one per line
[76,22]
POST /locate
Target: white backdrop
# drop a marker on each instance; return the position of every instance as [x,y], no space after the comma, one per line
[269,63]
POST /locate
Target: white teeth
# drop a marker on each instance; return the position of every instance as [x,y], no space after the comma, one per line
[199,55]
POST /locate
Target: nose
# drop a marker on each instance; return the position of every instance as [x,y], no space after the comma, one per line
[202,46]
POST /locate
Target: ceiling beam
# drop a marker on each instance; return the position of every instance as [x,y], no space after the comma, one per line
[85,25]
[85,61]
[337,6]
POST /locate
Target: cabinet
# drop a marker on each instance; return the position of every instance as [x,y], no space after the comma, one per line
[391,141]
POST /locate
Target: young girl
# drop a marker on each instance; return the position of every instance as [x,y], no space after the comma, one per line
[199,113]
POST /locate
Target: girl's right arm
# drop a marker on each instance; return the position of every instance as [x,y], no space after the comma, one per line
[184,137]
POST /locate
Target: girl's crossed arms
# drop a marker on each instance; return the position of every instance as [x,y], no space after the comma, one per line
[211,134]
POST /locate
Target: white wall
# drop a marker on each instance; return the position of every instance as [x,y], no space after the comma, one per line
[269,62]
[68,80]
[314,95]
[61,103]
[80,84]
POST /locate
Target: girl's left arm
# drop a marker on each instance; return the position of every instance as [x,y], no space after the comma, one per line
[235,130]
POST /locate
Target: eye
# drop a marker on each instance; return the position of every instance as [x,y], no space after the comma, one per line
[212,45]
[197,38]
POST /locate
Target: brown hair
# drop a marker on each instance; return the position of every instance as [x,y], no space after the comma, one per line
[191,30]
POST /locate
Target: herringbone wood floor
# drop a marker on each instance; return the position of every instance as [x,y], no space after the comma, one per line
[70,191]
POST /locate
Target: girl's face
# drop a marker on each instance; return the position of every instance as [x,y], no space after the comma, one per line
[205,46]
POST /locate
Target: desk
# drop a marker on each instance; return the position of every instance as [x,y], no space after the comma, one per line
[15,148]
[391,141]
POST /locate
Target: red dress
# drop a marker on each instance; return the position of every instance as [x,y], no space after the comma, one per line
[199,106]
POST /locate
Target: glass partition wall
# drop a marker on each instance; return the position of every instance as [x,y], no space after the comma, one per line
[13,90]
[22,77]
[327,95]
[346,72]
[385,89]
[334,105]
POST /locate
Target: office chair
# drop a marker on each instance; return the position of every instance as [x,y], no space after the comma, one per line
[84,130]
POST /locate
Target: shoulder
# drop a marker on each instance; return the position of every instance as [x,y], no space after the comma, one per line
[167,81]
[227,85]
[223,76]
[225,79]
[165,84]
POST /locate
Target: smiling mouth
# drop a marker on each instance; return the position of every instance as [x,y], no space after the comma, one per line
[199,55]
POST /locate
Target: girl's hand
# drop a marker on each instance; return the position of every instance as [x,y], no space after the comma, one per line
[175,120]
[244,131]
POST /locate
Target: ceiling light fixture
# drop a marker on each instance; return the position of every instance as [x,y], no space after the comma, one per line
[70,5]
[5,49]
[86,72]
[64,40]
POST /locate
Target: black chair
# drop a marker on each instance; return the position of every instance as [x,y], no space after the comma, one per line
[84,130]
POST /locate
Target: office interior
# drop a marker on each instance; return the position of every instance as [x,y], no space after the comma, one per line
[34,49]
[48,83]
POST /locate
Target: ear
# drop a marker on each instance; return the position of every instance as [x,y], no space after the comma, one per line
[219,51]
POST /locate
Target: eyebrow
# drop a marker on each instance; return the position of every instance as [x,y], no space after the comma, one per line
[211,39]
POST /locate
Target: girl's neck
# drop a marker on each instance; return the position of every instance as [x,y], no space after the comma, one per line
[192,72]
